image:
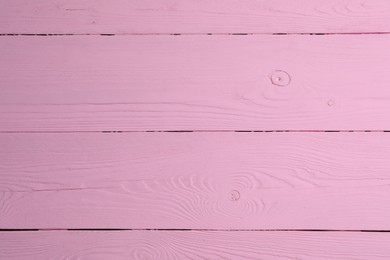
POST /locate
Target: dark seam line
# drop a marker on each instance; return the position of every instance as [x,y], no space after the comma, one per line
[204,230]
[197,131]
[187,34]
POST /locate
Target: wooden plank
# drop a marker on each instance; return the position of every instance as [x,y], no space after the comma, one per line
[195,180]
[137,83]
[194,16]
[193,245]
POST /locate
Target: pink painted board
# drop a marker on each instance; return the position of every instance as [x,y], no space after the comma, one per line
[195,180]
[138,83]
[193,16]
[79,94]
[193,245]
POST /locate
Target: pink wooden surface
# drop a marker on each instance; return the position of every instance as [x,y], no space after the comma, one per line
[193,245]
[194,16]
[195,180]
[67,89]
[138,83]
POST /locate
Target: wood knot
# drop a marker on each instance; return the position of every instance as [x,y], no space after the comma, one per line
[280,78]
[234,195]
[330,103]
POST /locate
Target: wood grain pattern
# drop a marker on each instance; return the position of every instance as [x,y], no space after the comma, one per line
[195,180]
[86,126]
[137,83]
[193,245]
[194,16]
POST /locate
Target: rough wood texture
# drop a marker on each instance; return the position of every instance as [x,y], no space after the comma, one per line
[194,16]
[209,67]
[126,83]
[195,180]
[193,245]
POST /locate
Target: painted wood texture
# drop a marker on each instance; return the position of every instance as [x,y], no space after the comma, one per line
[193,245]
[195,180]
[194,16]
[138,83]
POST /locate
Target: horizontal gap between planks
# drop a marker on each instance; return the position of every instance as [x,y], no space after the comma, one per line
[185,34]
[188,230]
[199,131]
